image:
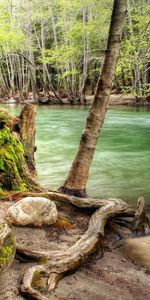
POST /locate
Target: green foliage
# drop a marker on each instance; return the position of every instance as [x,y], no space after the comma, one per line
[135,56]
[66,40]
[11,35]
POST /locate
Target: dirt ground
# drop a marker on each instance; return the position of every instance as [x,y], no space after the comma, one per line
[108,275]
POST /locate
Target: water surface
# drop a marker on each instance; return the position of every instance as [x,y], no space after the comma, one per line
[121,165]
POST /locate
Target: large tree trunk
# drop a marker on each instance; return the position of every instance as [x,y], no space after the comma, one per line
[17,146]
[75,183]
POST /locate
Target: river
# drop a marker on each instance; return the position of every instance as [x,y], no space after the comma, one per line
[121,165]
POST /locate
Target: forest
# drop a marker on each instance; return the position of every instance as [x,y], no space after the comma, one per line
[56,51]
[59,239]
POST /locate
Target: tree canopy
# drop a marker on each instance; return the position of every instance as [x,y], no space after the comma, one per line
[59,45]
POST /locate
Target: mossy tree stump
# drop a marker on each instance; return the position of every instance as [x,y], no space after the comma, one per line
[17,147]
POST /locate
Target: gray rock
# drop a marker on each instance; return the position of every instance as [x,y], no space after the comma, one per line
[36,211]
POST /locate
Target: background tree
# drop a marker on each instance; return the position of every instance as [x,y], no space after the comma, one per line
[133,70]
[62,46]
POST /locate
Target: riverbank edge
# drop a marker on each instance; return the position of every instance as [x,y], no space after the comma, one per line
[115,99]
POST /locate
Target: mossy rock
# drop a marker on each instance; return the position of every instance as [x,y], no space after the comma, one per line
[7,247]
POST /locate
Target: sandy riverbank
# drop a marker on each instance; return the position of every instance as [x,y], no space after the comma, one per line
[108,275]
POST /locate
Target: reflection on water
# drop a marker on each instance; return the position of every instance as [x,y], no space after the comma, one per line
[121,165]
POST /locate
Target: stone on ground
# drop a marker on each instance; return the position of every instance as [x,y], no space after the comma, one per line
[35,211]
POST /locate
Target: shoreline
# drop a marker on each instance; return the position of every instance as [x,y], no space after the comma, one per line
[121,99]
[115,100]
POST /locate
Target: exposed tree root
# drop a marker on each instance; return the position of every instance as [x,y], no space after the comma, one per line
[55,264]
[141,224]
[60,262]
[62,198]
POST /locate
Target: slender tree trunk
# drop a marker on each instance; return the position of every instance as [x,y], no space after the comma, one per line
[147,81]
[85,60]
[4,83]
[9,72]
[56,45]
[43,48]
[75,183]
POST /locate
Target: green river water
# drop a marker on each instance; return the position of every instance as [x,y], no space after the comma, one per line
[121,165]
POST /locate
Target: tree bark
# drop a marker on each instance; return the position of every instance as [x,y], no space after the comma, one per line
[85,60]
[27,134]
[17,146]
[75,183]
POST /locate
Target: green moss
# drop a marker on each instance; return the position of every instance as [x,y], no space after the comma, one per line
[1,191]
[15,173]
[37,282]
[1,226]
[43,260]
[5,254]
[11,162]
[7,251]
[3,119]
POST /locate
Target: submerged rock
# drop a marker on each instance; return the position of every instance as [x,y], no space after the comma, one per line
[36,211]
[138,249]
[12,100]
[7,246]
